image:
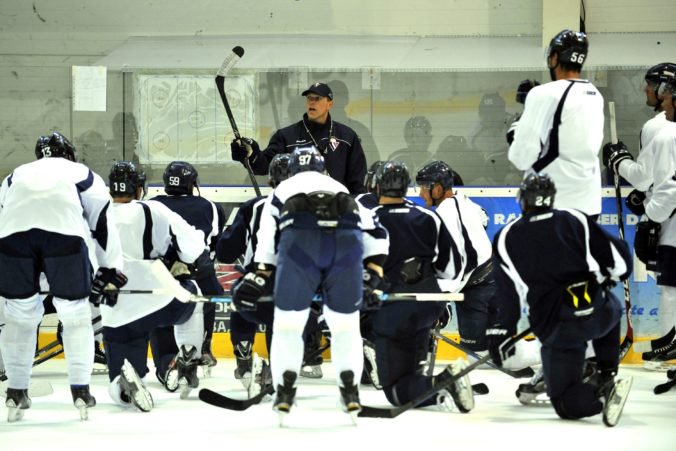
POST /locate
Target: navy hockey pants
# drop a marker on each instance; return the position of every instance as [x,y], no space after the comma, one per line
[402,334]
[473,314]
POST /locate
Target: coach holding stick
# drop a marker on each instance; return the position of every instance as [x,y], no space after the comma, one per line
[339,144]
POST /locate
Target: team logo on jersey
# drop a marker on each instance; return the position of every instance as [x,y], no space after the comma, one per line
[333,142]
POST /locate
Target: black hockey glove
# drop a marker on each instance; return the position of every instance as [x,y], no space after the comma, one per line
[634,202]
[106,286]
[512,130]
[244,148]
[496,339]
[373,289]
[247,293]
[613,154]
[524,88]
[646,241]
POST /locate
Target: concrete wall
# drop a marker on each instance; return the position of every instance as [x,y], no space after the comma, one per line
[41,40]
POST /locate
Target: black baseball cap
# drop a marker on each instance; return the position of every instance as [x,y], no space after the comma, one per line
[321,89]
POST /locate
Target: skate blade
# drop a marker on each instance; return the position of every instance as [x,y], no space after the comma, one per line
[83,409]
[612,414]
[206,371]
[654,365]
[534,399]
[185,389]
[14,414]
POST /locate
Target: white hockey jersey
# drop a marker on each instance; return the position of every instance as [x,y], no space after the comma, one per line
[375,238]
[147,229]
[640,172]
[55,194]
[661,201]
[560,133]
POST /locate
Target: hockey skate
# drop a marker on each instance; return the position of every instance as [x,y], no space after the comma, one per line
[615,398]
[660,359]
[207,361]
[349,395]
[82,399]
[133,388]
[262,376]
[370,366]
[460,391]
[535,391]
[652,345]
[17,402]
[244,359]
[100,361]
[170,378]
[286,394]
[187,362]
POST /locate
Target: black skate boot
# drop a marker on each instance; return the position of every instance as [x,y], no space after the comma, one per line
[17,401]
[208,360]
[133,389]
[370,373]
[460,390]
[286,395]
[658,358]
[82,399]
[187,363]
[244,370]
[100,361]
[349,395]
[535,391]
[614,393]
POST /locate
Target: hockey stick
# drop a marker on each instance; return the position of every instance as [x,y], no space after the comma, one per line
[225,402]
[517,374]
[228,63]
[629,337]
[665,387]
[42,352]
[393,412]
[433,351]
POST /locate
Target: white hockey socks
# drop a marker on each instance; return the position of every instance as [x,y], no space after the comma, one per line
[78,339]
[286,353]
[346,342]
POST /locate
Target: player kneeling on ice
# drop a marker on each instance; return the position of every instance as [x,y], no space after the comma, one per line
[326,243]
[561,263]
[150,229]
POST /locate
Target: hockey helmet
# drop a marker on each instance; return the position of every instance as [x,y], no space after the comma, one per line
[537,192]
[306,159]
[124,179]
[279,169]
[55,145]
[370,179]
[393,179]
[571,47]
[180,177]
[435,172]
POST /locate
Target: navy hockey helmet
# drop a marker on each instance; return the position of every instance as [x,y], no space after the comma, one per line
[279,169]
[124,179]
[435,172]
[370,179]
[537,192]
[571,47]
[55,145]
[306,159]
[180,177]
[393,179]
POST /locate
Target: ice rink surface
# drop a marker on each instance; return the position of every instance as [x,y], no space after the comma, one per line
[498,421]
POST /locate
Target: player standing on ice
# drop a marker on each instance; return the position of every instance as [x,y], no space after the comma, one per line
[560,263]
[150,229]
[327,242]
[43,204]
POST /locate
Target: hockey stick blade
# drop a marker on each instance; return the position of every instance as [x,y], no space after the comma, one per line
[393,412]
[663,388]
[480,389]
[224,402]
[517,374]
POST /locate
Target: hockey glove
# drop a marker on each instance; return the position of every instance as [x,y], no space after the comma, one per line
[497,338]
[646,241]
[244,148]
[524,88]
[512,130]
[613,154]
[247,293]
[106,286]
[373,284]
[634,202]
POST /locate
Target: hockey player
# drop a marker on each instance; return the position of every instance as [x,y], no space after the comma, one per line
[653,167]
[324,236]
[43,204]
[419,246]
[561,129]
[541,263]
[181,180]
[150,229]
[239,241]
[473,267]
[339,144]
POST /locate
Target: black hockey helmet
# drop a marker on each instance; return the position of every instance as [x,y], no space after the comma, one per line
[124,179]
[660,72]
[279,169]
[571,47]
[370,178]
[537,192]
[393,179]
[306,159]
[55,145]
[180,177]
[435,172]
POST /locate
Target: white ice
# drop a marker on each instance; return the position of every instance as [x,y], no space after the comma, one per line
[498,421]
